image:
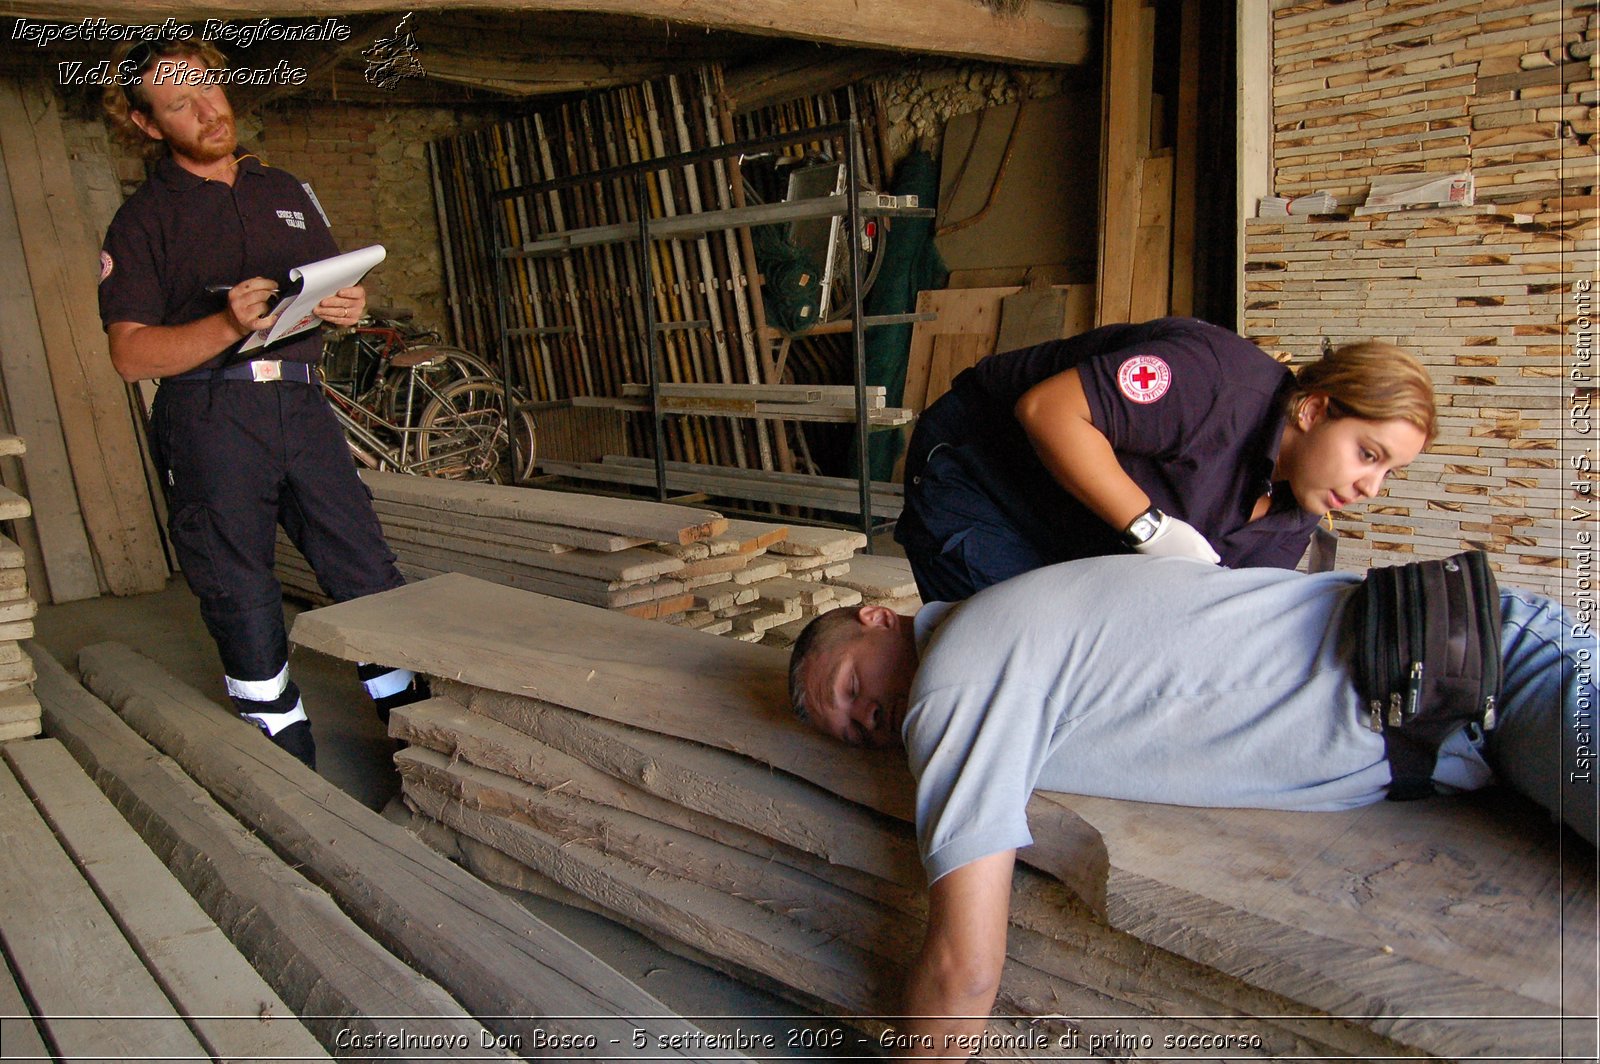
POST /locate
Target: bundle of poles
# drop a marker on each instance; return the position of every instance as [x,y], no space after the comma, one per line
[576,323]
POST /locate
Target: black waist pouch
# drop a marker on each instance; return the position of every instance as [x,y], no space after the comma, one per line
[1427,659]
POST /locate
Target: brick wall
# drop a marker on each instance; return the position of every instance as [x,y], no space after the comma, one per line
[1491,297]
[369,169]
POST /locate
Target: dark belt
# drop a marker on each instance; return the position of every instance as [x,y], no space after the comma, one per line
[260,371]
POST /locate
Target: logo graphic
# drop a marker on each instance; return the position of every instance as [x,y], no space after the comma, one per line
[293,219]
[1144,378]
[106,265]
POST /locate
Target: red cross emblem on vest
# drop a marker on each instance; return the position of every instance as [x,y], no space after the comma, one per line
[1144,378]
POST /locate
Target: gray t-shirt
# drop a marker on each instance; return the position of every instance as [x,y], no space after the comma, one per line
[1151,679]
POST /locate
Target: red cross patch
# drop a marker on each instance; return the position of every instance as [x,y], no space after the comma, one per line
[1144,378]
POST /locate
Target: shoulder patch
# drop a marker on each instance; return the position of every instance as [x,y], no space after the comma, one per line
[1144,378]
[106,265]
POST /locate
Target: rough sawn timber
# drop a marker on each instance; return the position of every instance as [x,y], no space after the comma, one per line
[496,958]
[670,680]
[325,967]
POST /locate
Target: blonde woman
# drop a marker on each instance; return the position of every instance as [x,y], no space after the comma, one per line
[1173,437]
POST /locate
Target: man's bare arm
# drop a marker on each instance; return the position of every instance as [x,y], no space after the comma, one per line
[141,352]
[953,985]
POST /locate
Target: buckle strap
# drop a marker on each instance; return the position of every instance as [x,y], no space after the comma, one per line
[260,370]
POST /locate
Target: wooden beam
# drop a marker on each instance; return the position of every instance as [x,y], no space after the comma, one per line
[1121,139]
[529,983]
[234,1013]
[1253,126]
[93,995]
[1045,33]
[325,967]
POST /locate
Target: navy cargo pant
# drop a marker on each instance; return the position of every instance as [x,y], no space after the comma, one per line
[973,517]
[237,458]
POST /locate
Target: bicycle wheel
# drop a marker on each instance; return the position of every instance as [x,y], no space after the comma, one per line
[525,457]
[461,434]
[438,365]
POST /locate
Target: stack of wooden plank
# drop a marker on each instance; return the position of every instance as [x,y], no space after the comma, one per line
[657,776]
[744,579]
[19,710]
[291,900]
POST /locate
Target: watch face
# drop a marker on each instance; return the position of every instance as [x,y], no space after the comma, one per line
[1144,526]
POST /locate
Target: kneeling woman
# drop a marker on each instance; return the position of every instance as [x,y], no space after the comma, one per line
[1174,437]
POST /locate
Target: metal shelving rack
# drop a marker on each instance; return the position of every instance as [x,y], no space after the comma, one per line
[647,229]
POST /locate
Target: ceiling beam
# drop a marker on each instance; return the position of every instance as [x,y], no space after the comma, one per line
[1044,33]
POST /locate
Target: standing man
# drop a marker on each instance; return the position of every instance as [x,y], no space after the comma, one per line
[189,269]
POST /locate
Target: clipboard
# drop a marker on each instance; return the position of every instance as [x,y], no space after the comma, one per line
[316,281]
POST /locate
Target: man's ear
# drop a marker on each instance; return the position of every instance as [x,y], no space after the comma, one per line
[877,617]
[145,124]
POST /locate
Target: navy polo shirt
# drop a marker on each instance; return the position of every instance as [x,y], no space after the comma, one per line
[1195,414]
[180,233]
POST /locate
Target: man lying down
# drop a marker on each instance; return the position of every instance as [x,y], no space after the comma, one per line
[1157,680]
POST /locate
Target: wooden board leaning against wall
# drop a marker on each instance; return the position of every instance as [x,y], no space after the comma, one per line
[94,523]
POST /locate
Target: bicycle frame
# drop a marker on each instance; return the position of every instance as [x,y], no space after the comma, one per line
[362,424]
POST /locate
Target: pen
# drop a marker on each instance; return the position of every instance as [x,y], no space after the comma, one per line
[218,289]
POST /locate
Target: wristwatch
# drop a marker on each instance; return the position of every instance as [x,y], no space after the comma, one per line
[1141,528]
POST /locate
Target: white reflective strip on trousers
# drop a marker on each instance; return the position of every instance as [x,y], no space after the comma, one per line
[390,683]
[276,722]
[259,690]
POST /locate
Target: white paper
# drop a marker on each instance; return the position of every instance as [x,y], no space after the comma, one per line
[318,281]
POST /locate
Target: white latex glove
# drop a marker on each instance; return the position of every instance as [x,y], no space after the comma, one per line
[1178,539]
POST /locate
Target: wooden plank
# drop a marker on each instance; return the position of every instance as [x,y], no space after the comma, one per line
[13,507]
[1185,179]
[651,520]
[1122,101]
[495,957]
[92,400]
[1152,264]
[10,554]
[879,576]
[539,536]
[720,796]
[62,543]
[1499,848]
[314,956]
[665,679]
[817,540]
[234,1013]
[92,994]
[670,899]
[12,445]
[18,1033]
[728,483]
[954,353]
[1052,35]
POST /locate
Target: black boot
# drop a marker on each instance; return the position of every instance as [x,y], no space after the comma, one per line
[296,739]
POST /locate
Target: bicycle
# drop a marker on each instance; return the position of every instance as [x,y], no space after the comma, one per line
[412,405]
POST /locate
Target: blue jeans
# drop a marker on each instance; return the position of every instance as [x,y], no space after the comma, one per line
[1544,743]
